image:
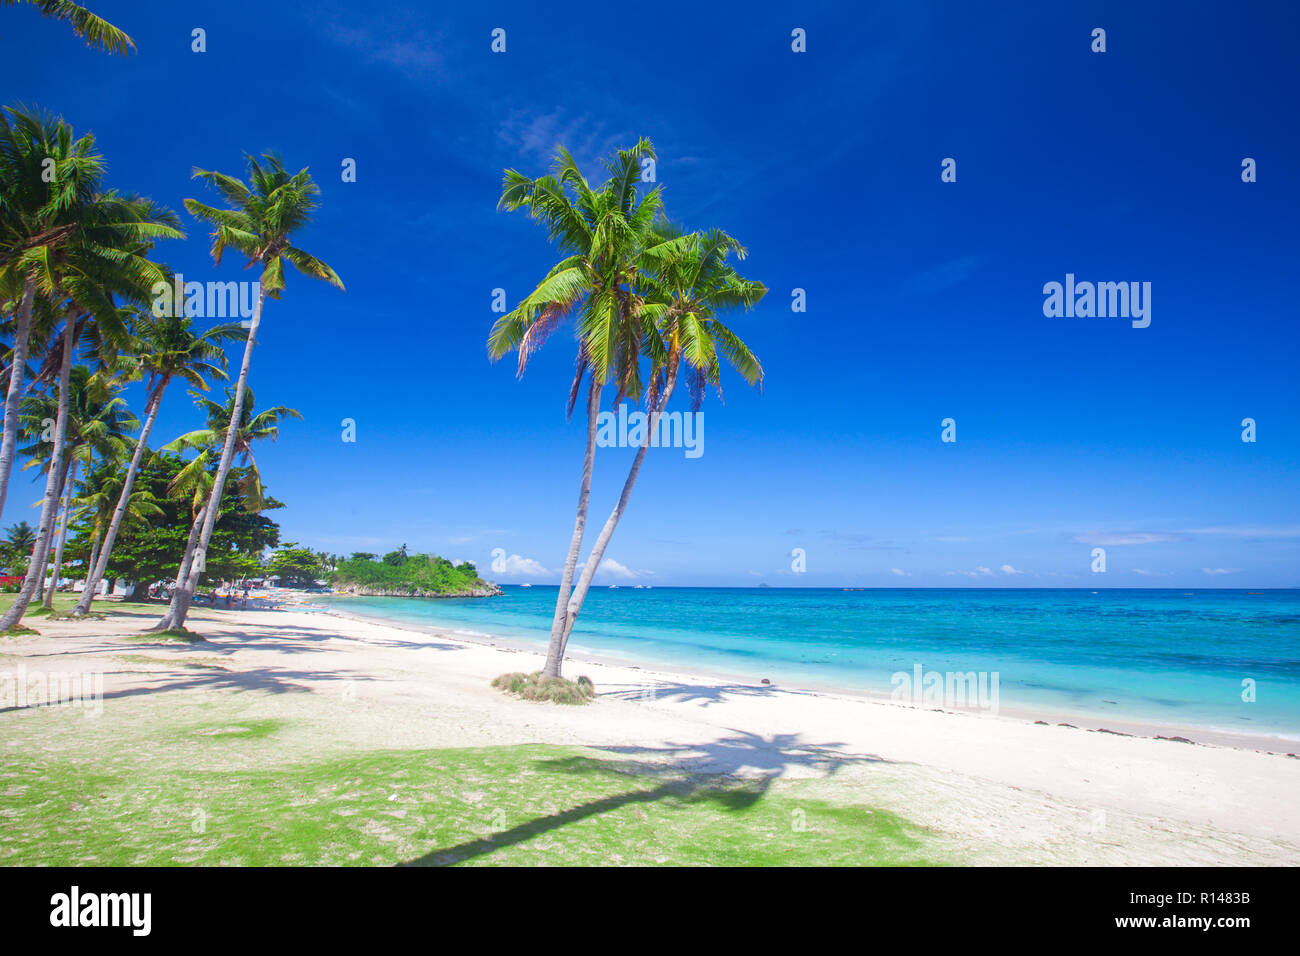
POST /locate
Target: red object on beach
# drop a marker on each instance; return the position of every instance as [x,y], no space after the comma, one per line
[8,579]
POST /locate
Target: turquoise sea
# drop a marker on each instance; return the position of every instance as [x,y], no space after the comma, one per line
[1174,656]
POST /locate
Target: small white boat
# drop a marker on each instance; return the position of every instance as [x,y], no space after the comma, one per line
[613,587]
[525,585]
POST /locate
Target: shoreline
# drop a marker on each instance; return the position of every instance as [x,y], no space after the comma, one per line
[1193,734]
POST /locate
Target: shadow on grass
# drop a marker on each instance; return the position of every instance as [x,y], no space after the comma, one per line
[686,773]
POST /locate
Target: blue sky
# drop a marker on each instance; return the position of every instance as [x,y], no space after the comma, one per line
[924,298]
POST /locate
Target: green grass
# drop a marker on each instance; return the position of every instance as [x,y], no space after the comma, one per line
[64,602]
[173,635]
[497,805]
[237,776]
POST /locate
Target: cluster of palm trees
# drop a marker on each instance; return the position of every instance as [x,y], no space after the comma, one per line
[642,290]
[79,303]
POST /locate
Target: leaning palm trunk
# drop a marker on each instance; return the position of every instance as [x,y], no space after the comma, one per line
[183,572]
[555,651]
[180,605]
[17,372]
[94,553]
[100,565]
[37,571]
[44,561]
[39,596]
[69,483]
[607,532]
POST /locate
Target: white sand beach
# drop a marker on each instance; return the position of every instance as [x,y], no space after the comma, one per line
[1004,789]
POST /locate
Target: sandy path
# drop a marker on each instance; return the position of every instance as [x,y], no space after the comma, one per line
[1006,789]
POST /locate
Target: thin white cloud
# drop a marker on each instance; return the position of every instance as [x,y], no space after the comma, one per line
[1008,569]
[1120,538]
[900,572]
[1281,532]
[1220,570]
[406,47]
[980,572]
[535,135]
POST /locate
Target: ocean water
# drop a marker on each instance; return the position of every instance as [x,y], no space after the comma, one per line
[1172,656]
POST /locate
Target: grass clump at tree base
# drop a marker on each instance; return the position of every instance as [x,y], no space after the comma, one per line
[558,690]
[179,635]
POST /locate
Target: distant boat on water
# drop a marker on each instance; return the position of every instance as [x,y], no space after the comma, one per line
[525,585]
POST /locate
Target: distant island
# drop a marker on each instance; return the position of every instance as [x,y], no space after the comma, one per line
[398,574]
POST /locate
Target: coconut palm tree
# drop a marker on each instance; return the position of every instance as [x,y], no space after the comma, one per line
[196,477]
[98,33]
[259,225]
[18,542]
[687,281]
[105,259]
[664,298]
[40,216]
[97,506]
[164,348]
[602,232]
[98,423]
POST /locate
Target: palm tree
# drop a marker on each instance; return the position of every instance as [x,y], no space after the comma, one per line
[104,259]
[18,542]
[38,218]
[602,233]
[97,504]
[688,281]
[164,348]
[98,33]
[196,478]
[98,423]
[259,226]
[662,298]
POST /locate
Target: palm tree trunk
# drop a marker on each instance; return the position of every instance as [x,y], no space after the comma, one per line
[607,532]
[180,606]
[41,589]
[37,571]
[183,572]
[555,650]
[39,596]
[69,483]
[17,374]
[100,565]
[94,553]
